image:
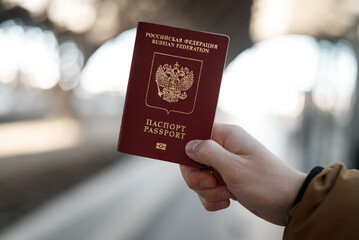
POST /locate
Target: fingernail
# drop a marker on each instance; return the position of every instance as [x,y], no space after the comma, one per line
[191,146]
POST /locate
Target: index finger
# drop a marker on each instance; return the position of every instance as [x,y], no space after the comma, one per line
[198,179]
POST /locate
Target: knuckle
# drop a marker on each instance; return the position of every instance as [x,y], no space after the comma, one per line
[205,195]
[192,184]
[208,206]
[209,195]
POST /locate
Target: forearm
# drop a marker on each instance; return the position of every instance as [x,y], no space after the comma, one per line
[328,208]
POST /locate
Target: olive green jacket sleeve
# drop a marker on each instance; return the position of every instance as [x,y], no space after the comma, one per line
[329,208]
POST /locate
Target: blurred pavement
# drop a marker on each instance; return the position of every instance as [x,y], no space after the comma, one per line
[139,199]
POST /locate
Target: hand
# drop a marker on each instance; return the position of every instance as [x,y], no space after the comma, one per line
[252,174]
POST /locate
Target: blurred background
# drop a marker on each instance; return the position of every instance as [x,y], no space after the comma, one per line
[290,80]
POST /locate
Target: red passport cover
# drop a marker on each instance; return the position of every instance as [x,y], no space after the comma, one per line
[172,91]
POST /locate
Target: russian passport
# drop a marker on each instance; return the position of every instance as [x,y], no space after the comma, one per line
[172,92]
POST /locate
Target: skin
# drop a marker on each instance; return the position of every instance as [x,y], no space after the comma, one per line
[252,175]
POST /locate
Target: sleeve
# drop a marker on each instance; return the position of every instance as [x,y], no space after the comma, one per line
[329,208]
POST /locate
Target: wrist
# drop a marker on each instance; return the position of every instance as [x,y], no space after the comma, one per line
[304,180]
[314,172]
[294,186]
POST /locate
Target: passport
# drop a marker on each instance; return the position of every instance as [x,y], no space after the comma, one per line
[172,91]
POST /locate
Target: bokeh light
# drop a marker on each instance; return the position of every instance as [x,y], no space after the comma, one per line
[336,78]
[10,41]
[108,68]
[75,15]
[271,77]
[28,53]
[275,74]
[40,61]
[72,61]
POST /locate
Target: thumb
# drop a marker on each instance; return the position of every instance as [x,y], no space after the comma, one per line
[210,153]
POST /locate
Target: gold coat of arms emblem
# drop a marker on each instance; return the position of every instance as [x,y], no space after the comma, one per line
[173,82]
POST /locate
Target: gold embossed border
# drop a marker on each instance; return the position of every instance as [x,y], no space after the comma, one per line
[149,80]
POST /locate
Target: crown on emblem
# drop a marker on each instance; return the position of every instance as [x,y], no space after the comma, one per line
[176,66]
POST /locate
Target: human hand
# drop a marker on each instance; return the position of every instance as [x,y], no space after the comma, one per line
[253,175]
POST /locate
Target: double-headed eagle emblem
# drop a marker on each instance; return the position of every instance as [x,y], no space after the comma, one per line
[174,81]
